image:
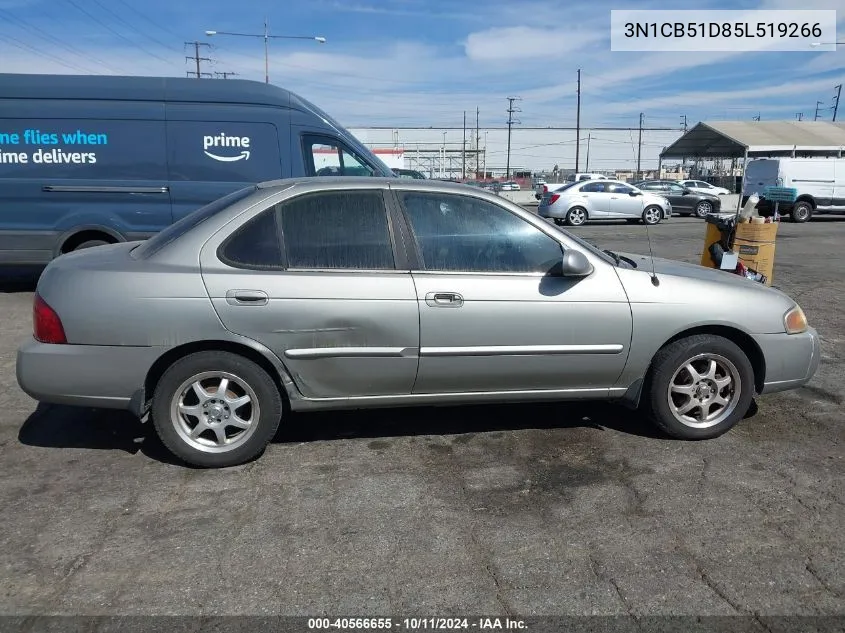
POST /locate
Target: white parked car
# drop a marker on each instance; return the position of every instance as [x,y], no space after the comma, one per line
[699,186]
[510,185]
[579,202]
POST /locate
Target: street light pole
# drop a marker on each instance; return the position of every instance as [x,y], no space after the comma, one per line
[267,37]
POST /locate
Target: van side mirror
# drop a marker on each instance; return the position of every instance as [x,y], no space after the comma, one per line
[575,264]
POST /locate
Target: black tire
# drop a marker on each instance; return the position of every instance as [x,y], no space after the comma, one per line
[673,358]
[90,244]
[266,422]
[558,221]
[646,214]
[576,216]
[801,212]
[703,208]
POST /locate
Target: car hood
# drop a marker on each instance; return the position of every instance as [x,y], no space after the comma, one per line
[695,271]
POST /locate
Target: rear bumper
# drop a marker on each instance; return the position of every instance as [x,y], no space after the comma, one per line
[791,359]
[84,375]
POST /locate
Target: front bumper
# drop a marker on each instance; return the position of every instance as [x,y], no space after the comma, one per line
[791,359]
[84,375]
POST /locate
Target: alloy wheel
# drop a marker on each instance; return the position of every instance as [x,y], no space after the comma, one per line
[215,411]
[704,391]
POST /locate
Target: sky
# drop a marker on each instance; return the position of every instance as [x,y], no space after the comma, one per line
[407,63]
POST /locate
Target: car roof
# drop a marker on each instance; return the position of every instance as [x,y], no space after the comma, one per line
[341,182]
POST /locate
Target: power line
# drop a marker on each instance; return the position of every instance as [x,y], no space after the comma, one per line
[511,121]
[133,28]
[54,40]
[153,22]
[30,49]
[117,33]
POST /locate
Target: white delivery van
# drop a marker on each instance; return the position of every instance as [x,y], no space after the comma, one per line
[820,183]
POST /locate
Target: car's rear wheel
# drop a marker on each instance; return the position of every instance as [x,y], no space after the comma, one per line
[699,387]
[576,216]
[703,208]
[216,409]
[652,215]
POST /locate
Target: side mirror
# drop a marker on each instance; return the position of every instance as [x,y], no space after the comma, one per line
[575,264]
[633,194]
[687,192]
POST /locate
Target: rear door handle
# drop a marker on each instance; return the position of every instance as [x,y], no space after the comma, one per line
[444,299]
[246,297]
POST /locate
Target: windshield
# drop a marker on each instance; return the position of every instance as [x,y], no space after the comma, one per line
[177,229]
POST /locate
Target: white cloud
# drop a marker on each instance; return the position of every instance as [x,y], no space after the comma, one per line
[523,42]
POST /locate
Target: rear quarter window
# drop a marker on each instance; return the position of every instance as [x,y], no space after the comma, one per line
[82,149]
[223,151]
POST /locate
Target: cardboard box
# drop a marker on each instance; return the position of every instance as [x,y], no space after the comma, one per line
[755,246]
[712,236]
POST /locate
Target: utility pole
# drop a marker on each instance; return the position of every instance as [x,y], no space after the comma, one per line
[684,120]
[640,147]
[684,159]
[477,143]
[224,74]
[578,123]
[836,103]
[799,116]
[464,150]
[587,167]
[818,103]
[756,118]
[197,59]
[511,121]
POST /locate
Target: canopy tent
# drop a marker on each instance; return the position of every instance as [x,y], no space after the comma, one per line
[739,139]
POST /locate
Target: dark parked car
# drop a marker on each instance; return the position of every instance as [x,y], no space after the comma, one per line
[684,201]
[409,173]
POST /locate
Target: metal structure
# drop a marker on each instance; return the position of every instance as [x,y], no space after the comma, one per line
[267,37]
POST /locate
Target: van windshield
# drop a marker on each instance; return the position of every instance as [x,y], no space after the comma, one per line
[177,229]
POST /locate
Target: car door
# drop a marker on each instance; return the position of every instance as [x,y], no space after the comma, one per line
[679,198]
[622,204]
[494,317]
[318,280]
[596,197]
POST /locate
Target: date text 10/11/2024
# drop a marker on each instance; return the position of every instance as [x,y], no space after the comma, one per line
[415,624]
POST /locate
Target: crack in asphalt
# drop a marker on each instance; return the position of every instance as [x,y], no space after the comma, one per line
[602,576]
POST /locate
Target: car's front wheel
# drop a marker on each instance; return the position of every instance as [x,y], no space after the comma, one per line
[652,215]
[216,409]
[699,387]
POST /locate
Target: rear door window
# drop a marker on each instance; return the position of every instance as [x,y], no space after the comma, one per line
[337,229]
[93,149]
[223,151]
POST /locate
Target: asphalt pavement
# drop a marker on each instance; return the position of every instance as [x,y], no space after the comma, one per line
[548,509]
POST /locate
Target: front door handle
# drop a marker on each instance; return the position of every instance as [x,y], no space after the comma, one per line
[246,297]
[444,299]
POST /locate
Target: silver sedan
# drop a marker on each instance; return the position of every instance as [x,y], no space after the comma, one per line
[335,293]
[579,202]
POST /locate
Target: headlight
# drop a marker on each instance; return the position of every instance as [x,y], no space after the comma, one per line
[795,321]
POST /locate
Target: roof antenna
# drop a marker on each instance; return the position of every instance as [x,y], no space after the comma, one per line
[654,280]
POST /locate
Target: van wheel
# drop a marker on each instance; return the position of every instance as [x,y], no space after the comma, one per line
[90,244]
[801,212]
[216,409]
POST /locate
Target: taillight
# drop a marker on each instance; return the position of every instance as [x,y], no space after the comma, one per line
[554,198]
[47,326]
[545,189]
